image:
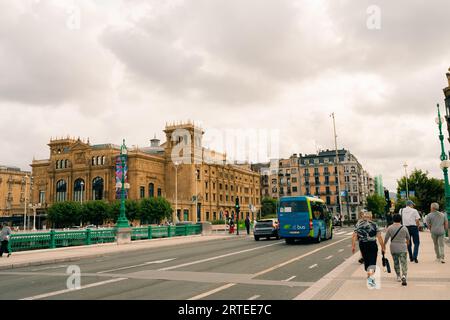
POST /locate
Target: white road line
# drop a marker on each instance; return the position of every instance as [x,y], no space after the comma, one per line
[340,250]
[217,257]
[254,297]
[329,257]
[289,279]
[55,293]
[349,233]
[340,232]
[313,266]
[138,265]
[280,265]
[203,295]
[48,268]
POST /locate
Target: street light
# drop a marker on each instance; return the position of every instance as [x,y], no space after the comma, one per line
[445,164]
[25,205]
[406,176]
[82,192]
[122,222]
[34,207]
[176,164]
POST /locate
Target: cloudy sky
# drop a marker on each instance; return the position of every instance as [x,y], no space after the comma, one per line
[117,69]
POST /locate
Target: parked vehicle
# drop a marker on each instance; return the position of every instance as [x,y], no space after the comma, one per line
[267,228]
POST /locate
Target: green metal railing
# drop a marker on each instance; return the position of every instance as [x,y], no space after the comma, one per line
[58,239]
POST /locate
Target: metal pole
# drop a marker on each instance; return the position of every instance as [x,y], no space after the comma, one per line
[444,167]
[196,197]
[122,222]
[337,166]
[176,190]
[34,218]
[406,175]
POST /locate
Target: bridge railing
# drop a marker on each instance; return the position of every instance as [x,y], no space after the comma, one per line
[59,239]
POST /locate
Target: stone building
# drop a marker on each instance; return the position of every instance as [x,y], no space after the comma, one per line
[15,186]
[317,175]
[199,183]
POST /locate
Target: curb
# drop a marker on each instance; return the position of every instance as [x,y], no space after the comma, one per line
[125,247]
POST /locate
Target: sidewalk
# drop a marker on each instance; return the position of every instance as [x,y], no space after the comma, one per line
[427,280]
[58,255]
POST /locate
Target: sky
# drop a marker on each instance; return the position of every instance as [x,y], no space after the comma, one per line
[108,70]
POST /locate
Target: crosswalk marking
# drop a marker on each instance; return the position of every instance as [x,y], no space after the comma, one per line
[329,257]
[340,232]
[349,233]
[313,266]
[254,297]
[289,279]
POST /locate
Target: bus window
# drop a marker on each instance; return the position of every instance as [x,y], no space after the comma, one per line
[317,211]
[294,206]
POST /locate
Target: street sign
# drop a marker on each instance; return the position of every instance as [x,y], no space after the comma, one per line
[344,193]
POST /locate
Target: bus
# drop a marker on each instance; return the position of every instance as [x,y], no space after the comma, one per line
[304,218]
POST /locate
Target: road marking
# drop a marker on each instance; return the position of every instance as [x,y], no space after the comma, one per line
[349,233]
[329,257]
[340,232]
[340,250]
[48,268]
[203,295]
[55,293]
[138,265]
[267,270]
[217,257]
[289,279]
[313,266]
[254,297]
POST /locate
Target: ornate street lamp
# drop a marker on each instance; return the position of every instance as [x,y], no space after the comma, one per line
[445,164]
[122,222]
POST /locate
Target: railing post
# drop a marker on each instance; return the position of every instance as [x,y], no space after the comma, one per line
[88,237]
[149,232]
[186,229]
[52,239]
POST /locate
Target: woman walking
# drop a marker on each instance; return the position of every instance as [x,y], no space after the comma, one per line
[399,237]
[5,234]
[367,233]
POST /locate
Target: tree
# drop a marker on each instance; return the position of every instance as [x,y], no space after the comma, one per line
[153,210]
[95,212]
[427,190]
[376,204]
[268,206]
[132,210]
[64,214]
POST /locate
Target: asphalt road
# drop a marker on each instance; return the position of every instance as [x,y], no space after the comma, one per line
[231,269]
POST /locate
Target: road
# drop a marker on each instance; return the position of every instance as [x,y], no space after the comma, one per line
[232,269]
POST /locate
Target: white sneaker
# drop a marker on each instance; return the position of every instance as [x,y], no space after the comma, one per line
[442,261]
[399,279]
[437,260]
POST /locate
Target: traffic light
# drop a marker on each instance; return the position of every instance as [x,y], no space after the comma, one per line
[237,207]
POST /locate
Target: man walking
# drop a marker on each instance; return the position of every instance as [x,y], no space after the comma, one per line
[411,220]
[247,224]
[5,234]
[438,224]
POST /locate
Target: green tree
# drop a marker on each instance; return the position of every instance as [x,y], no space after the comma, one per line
[376,204]
[427,190]
[95,212]
[153,210]
[268,206]
[132,210]
[65,214]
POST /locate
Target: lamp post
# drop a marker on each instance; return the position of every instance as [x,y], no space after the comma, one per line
[445,164]
[338,188]
[82,191]
[34,207]
[406,177]
[176,164]
[122,222]
[25,205]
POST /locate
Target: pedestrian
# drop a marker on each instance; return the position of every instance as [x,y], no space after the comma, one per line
[389,219]
[360,217]
[5,235]
[411,220]
[367,233]
[247,224]
[400,238]
[438,224]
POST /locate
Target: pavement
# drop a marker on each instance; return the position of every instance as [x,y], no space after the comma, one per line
[427,280]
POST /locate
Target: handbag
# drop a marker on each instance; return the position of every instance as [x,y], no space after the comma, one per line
[386,264]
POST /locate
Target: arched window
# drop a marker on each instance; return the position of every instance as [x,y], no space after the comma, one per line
[61,191]
[93,161]
[159,192]
[79,188]
[97,189]
[103,160]
[66,163]
[151,190]
[98,160]
[57,164]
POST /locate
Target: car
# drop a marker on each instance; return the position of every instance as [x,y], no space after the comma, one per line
[336,221]
[266,228]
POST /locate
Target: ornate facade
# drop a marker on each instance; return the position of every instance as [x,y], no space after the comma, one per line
[15,186]
[79,171]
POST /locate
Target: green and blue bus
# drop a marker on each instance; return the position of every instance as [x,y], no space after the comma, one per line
[304,218]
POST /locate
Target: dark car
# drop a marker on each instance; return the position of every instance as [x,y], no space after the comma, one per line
[267,228]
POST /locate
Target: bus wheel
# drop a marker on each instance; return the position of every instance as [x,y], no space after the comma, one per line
[319,238]
[256,238]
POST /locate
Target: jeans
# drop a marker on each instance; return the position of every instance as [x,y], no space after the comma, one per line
[4,247]
[414,235]
[369,251]
[400,261]
[438,241]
